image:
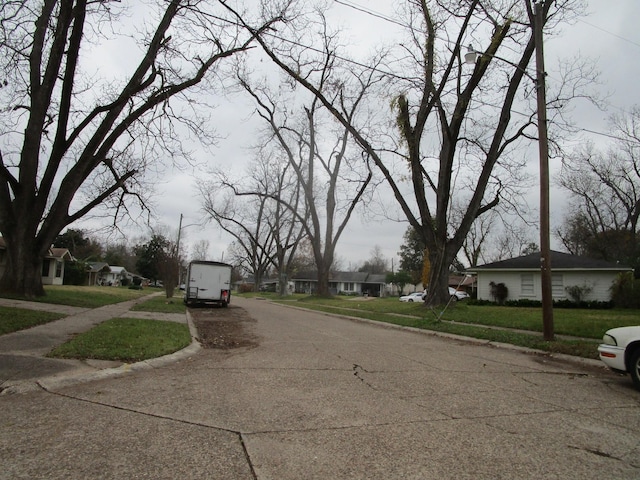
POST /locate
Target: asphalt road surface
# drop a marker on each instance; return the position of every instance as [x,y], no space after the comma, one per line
[310,396]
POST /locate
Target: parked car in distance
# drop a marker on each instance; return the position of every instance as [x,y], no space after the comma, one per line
[620,351]
[458,294]
[454,294]
[420,296]
[412,297]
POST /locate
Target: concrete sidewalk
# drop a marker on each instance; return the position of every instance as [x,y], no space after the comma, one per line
[23,361]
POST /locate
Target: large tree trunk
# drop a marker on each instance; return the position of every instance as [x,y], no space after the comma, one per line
[23,271]
[324,269]
[438,290]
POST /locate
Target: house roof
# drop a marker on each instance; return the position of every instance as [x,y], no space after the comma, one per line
[356,277]
[306,275]
[98,267]
[62,253]
[117,270]
[461,281]
[559,261]
[377,278]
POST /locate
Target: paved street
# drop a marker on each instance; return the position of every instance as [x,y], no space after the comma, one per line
[322,397]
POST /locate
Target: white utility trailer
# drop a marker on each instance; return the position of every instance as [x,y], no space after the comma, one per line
[208,282]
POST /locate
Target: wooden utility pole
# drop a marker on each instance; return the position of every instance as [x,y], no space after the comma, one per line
[543,145]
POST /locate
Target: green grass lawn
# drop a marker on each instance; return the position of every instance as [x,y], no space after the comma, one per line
[117,339]
[88,297]
[127,340]
[14,319]
[567,321]
[162,305]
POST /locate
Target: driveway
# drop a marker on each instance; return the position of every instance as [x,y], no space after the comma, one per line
[318,397]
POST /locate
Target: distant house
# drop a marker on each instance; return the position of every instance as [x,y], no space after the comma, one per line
[349,283]
[52,263]
[521,276]
[53,266]
[96,272]
[116,276]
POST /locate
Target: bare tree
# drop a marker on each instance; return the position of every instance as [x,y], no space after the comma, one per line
[377,263]
[496,236]
[268,227]
[332,176]
[247,221]
[73,141]
[201,250]
[512,240]
[474,246]
[605,193]
[457,127]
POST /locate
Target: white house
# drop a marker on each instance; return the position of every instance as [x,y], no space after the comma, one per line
[521,276]
[53,266]
[114,276]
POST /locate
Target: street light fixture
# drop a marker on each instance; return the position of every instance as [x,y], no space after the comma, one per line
[543,145]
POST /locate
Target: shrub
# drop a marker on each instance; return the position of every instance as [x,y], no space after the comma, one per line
[75,273]
[578,292]
[499,292]
[625,291]
[529,303]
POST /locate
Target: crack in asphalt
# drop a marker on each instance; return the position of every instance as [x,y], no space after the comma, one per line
[357,372]
[595,452]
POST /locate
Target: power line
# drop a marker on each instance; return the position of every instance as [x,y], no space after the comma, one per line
[610,33]
[369,12]
[344,59]
[609,135]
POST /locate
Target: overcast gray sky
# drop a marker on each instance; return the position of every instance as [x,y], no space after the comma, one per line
[608,34]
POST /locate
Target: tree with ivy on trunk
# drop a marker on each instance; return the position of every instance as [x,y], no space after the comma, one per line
[458,133]
[76,139]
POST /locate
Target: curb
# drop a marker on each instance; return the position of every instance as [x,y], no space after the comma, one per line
[52,383]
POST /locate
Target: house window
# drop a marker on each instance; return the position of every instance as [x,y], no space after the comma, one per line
[526,284]
[58,269]
[45,267]
[349,287]
[557,285]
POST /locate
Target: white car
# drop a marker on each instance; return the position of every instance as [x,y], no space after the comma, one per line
[620,351]
[457,294]
[412,297]
[419,296]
